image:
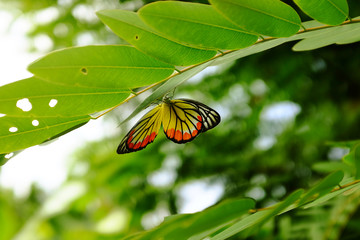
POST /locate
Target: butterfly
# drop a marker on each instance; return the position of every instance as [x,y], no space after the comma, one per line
[182,121]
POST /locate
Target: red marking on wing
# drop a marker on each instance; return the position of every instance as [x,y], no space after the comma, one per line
[170,133]
[148,139]
[199,124]
[152,136]
[186,136]
[145,142]
[194,133]
[130,137]
[137,145]
[178,135]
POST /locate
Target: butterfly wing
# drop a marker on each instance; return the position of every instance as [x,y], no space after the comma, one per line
[183,119]
[210,117]
[143,133]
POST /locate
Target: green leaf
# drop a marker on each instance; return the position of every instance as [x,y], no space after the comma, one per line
[323,199]
[267,17]
[196,226]
[331,12]
[214,218]
[283,206]
[196,24]
[349,159]
[69,101]
[108,66]
[323,187]
[353,160]
[258,218]
[28,135]
[49,111]
[357,161]
[129,26]
[328,167]
[328,36]
[350,39]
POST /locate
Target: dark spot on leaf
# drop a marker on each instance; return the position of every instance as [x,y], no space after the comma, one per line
[136,37]
[84,71]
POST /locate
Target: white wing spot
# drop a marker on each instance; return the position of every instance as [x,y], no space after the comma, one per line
[2,115]
[53,102]
[35,123]
[13,129]
[24,104]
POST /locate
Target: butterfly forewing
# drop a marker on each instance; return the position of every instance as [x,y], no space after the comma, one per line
[210,117]
[182,121]
[143,133]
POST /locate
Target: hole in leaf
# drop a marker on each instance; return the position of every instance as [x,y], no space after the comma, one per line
[24,104]
[9,155]
[35,123]
[84,71]
[13,129]
[53,102]
[2,115]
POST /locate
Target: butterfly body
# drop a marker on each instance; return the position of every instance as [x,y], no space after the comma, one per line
[182,121]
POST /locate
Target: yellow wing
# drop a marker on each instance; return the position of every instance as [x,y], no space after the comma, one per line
[184,119]
[143,133]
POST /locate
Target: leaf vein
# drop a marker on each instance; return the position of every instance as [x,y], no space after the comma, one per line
[199,22]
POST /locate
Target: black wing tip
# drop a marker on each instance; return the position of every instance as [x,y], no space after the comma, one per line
[122,149]
[213,123]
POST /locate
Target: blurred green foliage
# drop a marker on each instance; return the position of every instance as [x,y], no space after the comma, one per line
[250,153]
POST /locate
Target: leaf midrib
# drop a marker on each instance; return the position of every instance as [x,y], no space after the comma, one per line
[97,66]
[198,22]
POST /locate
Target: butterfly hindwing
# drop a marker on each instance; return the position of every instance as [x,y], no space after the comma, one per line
[143,133]
[182,121]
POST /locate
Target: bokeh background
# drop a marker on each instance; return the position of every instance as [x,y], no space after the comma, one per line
[279,110]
